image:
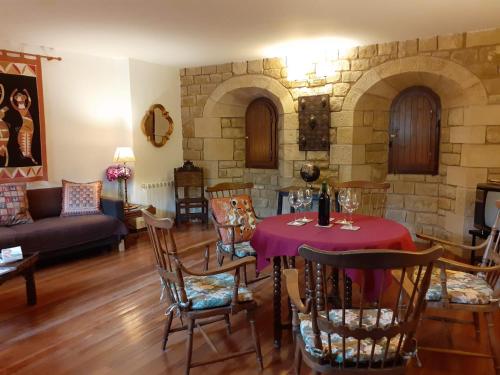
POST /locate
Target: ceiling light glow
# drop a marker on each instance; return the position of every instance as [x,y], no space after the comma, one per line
[306,56]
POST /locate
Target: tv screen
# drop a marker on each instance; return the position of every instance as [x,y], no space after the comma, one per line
[490,209]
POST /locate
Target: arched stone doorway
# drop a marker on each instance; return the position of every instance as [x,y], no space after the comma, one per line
[222,127]
[440,205]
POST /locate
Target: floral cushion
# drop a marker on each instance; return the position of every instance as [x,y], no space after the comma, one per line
[462,287]
[235,210]
[241,250]
[206,292]
[351,344]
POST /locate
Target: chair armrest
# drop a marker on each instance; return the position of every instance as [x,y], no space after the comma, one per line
[292,286]
[464,267]
[451,243]
[188,250]
[234,265]
[113,207]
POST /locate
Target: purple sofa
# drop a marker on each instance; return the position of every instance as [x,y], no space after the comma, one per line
[52,235]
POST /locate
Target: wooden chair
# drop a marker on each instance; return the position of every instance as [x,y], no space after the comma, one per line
[372,195]
[199,298]
[190,202]
[460,286]
[229,189]
[375,337]
[231,223]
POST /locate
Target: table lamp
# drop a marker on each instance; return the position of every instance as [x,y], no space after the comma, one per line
[124,155]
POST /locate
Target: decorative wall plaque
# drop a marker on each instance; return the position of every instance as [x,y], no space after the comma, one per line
[314,123]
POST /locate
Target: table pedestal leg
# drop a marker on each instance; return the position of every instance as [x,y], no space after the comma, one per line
[277,301]
[348,293]
[30,287]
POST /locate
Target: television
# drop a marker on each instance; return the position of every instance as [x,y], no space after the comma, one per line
[485,211]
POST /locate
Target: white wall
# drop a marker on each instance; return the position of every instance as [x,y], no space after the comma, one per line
[87,115]
[151,84]
[95,104]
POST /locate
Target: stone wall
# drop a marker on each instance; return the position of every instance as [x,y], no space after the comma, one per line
[463,69]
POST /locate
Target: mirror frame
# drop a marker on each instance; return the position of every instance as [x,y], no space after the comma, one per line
[166,116]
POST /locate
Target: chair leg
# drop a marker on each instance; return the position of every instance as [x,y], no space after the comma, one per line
[297,359]
[255,336]
[245,275]
[228,324]
[220,257]
[168,324]
[492,334]
[475,315]
[189,345]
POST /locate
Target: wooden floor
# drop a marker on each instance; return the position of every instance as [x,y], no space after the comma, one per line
[101,315]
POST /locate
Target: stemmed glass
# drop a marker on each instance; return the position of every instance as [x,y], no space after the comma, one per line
[295,198]
[307,197]
[342,195]
[351,204]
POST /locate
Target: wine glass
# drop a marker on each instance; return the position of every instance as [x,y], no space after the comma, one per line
[307,197]
[351,204]
[295,198]
[342,195]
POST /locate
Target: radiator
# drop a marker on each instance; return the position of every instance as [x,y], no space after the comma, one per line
[158,194]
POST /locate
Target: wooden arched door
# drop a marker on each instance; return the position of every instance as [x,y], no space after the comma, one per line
[414,132]
[261,134]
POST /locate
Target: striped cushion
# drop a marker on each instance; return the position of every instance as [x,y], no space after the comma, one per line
[81,198]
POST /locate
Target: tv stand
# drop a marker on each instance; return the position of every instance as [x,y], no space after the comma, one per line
[483,234]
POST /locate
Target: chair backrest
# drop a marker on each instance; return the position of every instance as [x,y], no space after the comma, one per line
[238,211]
[188,181]
[229,189]
[491,256]
[384,326]
[167,262]
[372,196]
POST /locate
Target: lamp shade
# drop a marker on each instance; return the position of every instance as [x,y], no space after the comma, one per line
[123,155]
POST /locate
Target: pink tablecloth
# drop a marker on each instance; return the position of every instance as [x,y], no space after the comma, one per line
[273,237]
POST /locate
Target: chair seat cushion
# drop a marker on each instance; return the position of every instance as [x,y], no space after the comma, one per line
[207,292]
[462,287]
[351,344]
[241,249]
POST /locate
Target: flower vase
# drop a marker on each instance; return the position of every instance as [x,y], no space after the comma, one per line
[121,194]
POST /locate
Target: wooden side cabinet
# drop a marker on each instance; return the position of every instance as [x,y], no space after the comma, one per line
[131,214]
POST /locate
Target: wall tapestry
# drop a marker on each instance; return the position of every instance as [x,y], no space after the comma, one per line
[22,127]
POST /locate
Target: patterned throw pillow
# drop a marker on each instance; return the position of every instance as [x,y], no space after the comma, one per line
[81,199]
[235,210]
[14,204]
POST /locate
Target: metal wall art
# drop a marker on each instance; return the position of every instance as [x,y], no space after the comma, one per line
[314,123]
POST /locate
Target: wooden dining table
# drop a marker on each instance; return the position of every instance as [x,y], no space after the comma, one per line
[274,240]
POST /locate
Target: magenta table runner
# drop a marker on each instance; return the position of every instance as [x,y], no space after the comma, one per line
[273,237]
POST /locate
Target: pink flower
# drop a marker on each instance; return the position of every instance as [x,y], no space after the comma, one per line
[118,171]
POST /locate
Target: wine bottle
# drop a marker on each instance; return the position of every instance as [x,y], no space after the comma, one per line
[324,206]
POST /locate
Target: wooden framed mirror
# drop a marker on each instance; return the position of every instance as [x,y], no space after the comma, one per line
[157,125]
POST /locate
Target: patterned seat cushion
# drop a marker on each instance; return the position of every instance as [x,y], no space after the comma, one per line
[208,292]
[462,288]
[241,250]
[351,344]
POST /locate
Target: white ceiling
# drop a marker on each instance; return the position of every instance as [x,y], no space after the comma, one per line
[200,32]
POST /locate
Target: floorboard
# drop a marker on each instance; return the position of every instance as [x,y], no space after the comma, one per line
[101,314]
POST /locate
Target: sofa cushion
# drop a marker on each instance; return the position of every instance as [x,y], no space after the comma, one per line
[81,198]
[56,233]
[45,202]
[14,204]
[7,237]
